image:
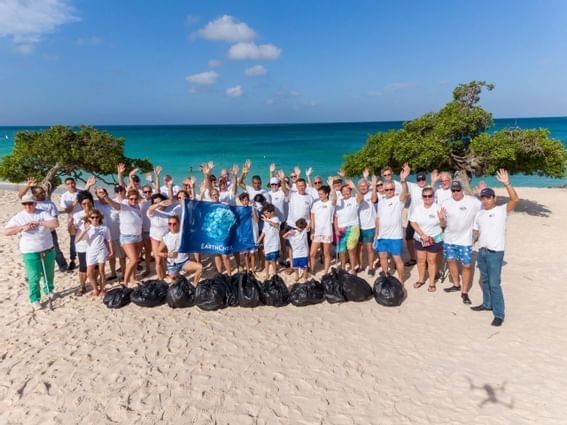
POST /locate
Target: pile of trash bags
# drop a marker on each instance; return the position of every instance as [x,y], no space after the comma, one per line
[244,290]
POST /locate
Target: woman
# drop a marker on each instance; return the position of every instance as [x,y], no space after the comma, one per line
[36,245]
[176,261]
[76,226]
[428,238]
[130,230]
[322,215]
[159,213]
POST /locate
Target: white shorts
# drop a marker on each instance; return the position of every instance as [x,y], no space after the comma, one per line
[97,257]
[117,248]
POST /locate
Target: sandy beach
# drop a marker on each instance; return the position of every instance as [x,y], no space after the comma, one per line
[430,361]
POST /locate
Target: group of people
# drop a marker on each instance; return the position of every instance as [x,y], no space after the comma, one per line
[296,223]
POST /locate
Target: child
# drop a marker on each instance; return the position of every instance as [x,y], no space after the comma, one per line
[300,247]
[99,248]
[270,236]
[249,256]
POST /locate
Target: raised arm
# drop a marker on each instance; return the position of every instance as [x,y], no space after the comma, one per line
[272,170]
[31,182]
[115,205]
[234,171]
[333,193]
[91,181]
[157,172]
[503,177]
[131,184]
[120,169]
[374,183]
[403,180]
[281,176]
[245,169]
[308,175]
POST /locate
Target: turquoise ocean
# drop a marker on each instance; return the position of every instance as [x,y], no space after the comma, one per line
[322,146]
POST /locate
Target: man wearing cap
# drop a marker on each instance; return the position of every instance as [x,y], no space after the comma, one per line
[459,212]
[415,192]
[36,245]
[490,231]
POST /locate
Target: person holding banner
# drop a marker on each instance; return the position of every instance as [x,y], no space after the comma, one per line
[250,255]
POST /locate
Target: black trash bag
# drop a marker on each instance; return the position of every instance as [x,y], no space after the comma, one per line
[216,293]
[354,288]
[248,289]
[181,294]
[333,287]
[388,291]
[274,292]
[150,293]
[308,293]
[117,297]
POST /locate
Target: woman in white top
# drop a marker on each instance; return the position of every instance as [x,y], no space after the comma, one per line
[76,225]
[426,220]
[176,261]
[322,215]
[130,231]
[158,213]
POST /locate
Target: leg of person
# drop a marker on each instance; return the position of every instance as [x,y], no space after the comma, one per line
[483,269]
[193,267]
[313,255]
[160,267]
[72,253]
[454,272]
[465,257]
[411,246]
[102,273]
[399,263]
[328,257]
[59,257]
[147,244]
[432,261]
[304,274]
[33,269]
[342,256]
[132,252]
[227,265]
[360,252]
[384,261]
[218,263]
[82,271]
[353,235]
[92,278]
[421,256]
[370,255]
[494,260]
[197,256]
[112,264]
[48,269]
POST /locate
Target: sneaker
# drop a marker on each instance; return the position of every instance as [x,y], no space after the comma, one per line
[466,299]
[497,321]
[480,308]
[63,268]
[453,289]
[72,266]
[410,263]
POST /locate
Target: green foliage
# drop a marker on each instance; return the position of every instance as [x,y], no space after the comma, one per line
[456,139]
[62,151]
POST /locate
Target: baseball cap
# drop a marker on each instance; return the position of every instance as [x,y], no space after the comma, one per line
[456,185]
[421,175]
[274,180]
[28,198]
[487,192]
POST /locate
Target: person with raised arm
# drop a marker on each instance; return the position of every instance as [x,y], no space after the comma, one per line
[490,232]
[322,216]
[389,230]
[112,221]
[256,187]
[367,218]
[347,225]
[443,192]
[76,224]
[313,186]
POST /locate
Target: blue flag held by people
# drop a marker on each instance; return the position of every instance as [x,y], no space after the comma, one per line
[215,228]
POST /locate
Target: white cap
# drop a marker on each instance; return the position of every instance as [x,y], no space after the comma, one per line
[28,198]
[274,180]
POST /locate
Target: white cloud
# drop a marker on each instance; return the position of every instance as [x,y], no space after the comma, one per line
[88,41]
[27,21]
[214,63]
[203,78]
[235,91]
[254,51]
[226,28]
[255,71]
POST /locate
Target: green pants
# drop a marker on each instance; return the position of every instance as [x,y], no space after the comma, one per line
[35,272]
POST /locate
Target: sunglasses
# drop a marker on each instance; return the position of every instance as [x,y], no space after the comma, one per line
[421,179]
[455,190]
[380,184]
[273,184]
[387,175]
[293,176]
[92,217]
[27,203]
[317,182]
[426,196]
[147,191]
[388,190]
[132,199]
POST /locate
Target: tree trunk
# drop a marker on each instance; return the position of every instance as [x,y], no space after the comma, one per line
[461,175]
[47,182]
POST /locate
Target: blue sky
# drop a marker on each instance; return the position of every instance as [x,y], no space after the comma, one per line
[204,62]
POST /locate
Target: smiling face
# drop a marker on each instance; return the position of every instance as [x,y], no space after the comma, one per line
[389,190]
[488,202]
[427,197]
[445,179]
[363,186]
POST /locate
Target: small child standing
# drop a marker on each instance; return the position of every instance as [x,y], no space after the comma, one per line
[99,248]
[270,236]
[299,244]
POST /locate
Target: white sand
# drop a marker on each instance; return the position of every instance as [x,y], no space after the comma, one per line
[431,361]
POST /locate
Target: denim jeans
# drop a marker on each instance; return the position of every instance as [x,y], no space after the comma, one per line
[490,266]
[72,251]
[59,257]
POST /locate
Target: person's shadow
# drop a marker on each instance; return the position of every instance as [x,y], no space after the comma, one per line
[527,206]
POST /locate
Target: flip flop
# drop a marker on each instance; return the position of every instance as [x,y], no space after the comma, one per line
[418,284]
[431,288]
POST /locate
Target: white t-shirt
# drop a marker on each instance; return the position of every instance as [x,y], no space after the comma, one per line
[279,201]
[299,243]
[79,223]
[299,207]
[271,235]
[172,241]
[144,206]
[96,238]
[253,192]
[347,212]
[36,240]
[367,212]
[389,216]
[415,192]
[397,186]
[323,213]
[110,218]
[158,221]
[67,200]
[130,219]
[313,192]
[492,227]
[47,206]
[164,190]
[427,219]
[227,197]
[460,220]
[442,195]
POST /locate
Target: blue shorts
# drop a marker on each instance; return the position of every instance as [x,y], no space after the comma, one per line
[460,253]
[300,263]
[389,246]
[174,269]
[130,239]
[272,256]
[367,235]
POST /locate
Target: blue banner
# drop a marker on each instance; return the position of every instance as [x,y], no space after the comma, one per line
[215,228]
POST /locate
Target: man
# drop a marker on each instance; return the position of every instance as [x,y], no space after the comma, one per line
[256,188]
[313,186]
[415,192]
[389,231]
[164,189]
[444,191]
[490,229]
[387,176]
[36,245]
[367,218]
[459,213]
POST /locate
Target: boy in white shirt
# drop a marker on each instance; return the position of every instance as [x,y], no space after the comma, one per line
[270,237]
[299,244]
